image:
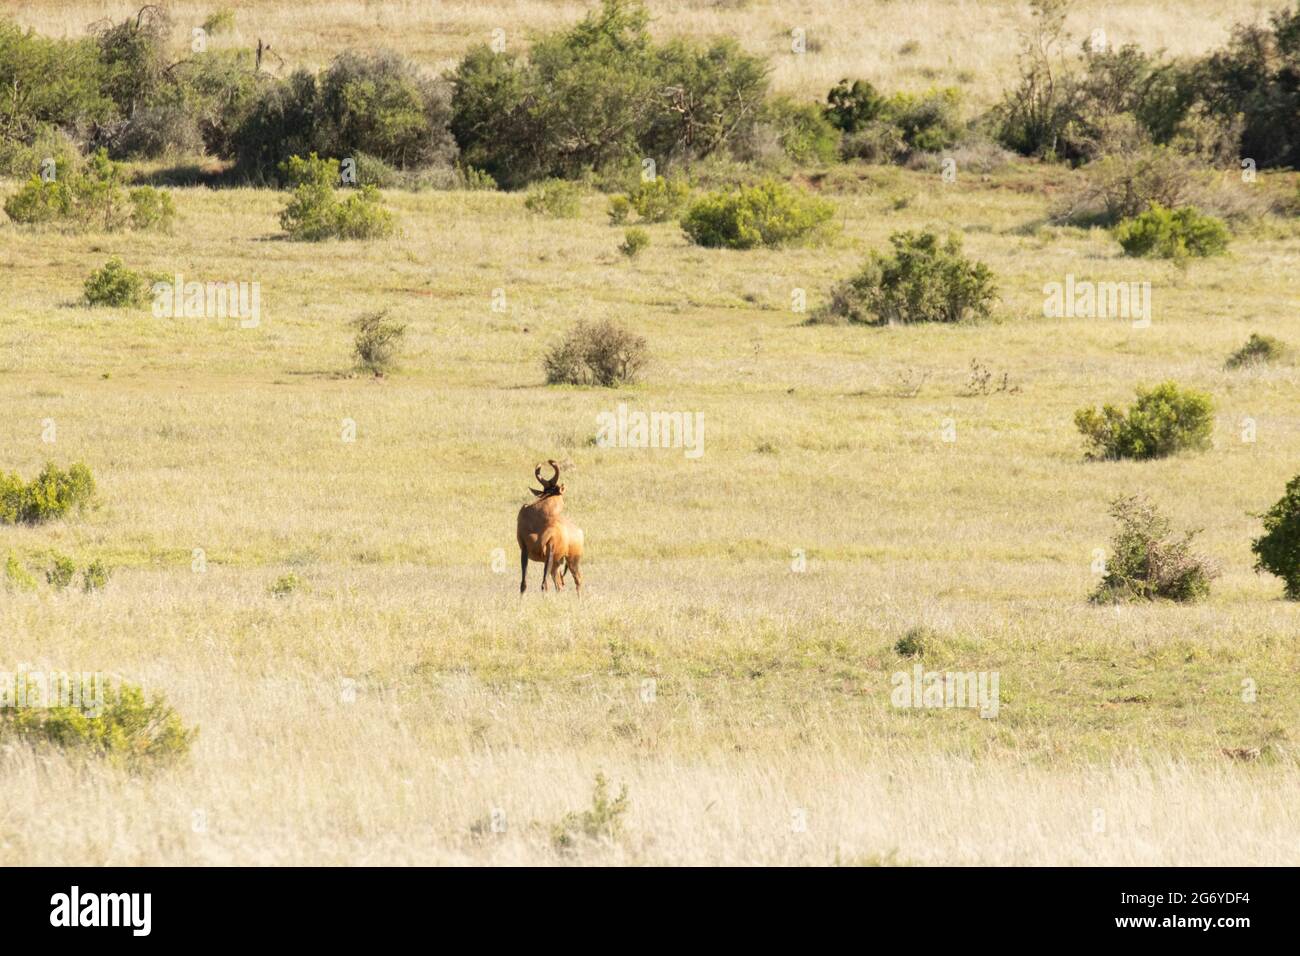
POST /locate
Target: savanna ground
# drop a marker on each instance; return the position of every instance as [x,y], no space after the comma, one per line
[385,710]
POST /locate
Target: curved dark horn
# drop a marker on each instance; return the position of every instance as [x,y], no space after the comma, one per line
[537,471]
[556,468]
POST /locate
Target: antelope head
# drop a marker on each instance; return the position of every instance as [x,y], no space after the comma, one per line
[550,486]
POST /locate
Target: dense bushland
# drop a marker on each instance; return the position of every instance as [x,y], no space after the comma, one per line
[601,96]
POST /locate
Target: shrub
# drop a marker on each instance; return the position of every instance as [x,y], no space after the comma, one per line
[658,199]
[913,643]
[1277,550]
[314,212]
[620,208]
[929,121]
[90,197]
[1164,420]
[51,494]
[602,821]
[59,574]
[220,21]
[1258,350]
[128,730]
[634,242]
[769,214]
[879,141]
[1127,181]
[596,353]
[924,280]
[1252,83]
[94,577]
[115,285]
[17,576]
[805,134]
[601,95]
[555,198]
[379,104]
[1172,234]
[48,84]
[851,106]
[1148,561]
[285,585]
[377,341]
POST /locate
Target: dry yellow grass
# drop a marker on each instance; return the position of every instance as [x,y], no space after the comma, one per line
[382,713]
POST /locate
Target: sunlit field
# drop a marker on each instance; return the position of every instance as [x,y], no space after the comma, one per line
[731,661]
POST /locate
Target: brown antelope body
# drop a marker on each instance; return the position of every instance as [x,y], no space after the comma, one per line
[546,535]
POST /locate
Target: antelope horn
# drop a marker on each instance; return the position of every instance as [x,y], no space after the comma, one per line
[537,471]
[556,468]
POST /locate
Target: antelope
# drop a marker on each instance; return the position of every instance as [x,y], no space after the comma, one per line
[547,536]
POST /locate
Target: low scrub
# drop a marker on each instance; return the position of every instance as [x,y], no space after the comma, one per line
[769,214]
[115,285]
[924,280]
[1277,550]
[1164,420]
[602,821]
[125,728]
[596,353]
[1258,350]
[51,494]
[315,213]
[634,242]
[556,198]
[90,196]
[1173,233]
[377,342]
[653,200]
[1149,561]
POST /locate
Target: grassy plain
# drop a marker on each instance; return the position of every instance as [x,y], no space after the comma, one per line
[383,712]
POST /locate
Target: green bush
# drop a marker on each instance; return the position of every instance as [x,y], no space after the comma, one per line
[1148,561]
[1172,233]
[94,577]
[658,199]
[115,285]
[48,84]
[602,821]
[377,341]
[851,106]
[129,731]
[556,198]
[59,574]
[601,95]
[1277,550]
[51,494]
[928,122]
[924,280]
[377,104]
[90,197]
[596,353]
[17,576]
[803,130]
[1258,350]
[1164,420]
[768,214]
[285,585]
[315,213]
[620,208]
[634,242]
